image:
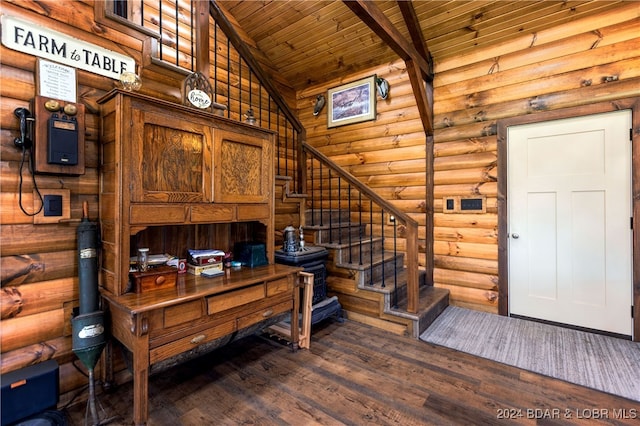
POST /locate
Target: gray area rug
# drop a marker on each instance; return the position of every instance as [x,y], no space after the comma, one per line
[600,362]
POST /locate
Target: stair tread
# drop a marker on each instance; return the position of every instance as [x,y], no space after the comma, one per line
[366,261]
[345,243]
[429,296]
[334,225]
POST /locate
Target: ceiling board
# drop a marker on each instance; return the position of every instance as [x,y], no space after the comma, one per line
[310,42]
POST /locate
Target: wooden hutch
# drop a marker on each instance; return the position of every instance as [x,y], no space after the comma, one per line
[174,178]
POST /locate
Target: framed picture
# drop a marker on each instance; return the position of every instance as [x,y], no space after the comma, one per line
[352,102]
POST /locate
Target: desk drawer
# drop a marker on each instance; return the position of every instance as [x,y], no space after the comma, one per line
[263,314]
[279,286]
[233,299]
[191,341]
[182,313]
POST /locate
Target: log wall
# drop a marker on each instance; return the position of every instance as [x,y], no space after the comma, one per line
[588,61]
[38,263]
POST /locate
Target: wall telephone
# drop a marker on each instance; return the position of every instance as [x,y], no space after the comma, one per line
[57,137]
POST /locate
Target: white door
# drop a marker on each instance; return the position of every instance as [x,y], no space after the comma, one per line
[570,237]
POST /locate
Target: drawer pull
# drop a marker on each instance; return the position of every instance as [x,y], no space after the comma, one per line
[160,280]
[198,339]
[267,313]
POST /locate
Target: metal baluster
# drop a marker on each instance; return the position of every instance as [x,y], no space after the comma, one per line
[294,171]
[339,212]
[278,145]
[160,27]
[228,80]
[360,224]
[395,272]
[313,198]
[382,236]
[371,242]
[193,27]
[350,247]
[215,64]
[260,102]
[321,195]
[177,34]
[330,211]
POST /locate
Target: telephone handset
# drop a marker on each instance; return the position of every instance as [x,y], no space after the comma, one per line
[24,140]
[25,143]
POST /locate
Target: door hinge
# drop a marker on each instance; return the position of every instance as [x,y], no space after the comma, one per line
[631,222]
[631,134]
[632,311]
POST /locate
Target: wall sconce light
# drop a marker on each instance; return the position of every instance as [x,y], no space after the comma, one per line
[320,101]
[383,87]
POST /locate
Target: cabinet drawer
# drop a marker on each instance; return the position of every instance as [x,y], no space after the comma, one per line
[191,341]
[222,302]
[182,313]
[253,211]
[279,286]
[264,314]
[153,213]
[212,213]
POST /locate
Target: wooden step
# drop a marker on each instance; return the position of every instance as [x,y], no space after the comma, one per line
[433,300]
[336,233]
[369,273]
[325,217]
[350,252]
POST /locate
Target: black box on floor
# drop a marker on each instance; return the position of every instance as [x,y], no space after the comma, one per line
[29,391]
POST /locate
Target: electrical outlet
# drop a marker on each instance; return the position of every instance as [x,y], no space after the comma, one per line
[55,208]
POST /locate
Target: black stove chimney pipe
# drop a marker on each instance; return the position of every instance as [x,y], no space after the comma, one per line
[88,263]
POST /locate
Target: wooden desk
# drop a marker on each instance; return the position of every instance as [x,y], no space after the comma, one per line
[162,323]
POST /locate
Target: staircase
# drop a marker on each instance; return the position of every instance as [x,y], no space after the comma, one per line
[369,281]
[376,283]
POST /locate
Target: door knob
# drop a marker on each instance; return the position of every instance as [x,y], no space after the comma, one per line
[515,236]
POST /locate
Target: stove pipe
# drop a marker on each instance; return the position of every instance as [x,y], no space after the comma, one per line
[88,326]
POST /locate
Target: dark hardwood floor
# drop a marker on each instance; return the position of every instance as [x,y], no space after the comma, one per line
[357,375]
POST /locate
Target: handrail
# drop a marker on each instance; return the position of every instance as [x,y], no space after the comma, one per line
[411,226]
[359,185]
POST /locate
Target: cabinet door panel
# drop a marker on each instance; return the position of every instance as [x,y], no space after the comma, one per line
[171,158]
[243,168]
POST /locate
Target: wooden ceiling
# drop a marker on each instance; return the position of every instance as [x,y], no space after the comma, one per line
[310,42]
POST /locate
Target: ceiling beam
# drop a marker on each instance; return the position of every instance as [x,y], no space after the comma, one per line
[419,69]
[423,92]
[417,38]
[377,21]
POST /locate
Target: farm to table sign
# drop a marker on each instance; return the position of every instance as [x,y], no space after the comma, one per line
[32,39]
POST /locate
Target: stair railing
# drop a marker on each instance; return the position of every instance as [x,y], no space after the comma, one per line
[332,188]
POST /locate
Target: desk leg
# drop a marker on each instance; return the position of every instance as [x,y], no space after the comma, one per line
[306,283]
[141,381]
[295,316]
